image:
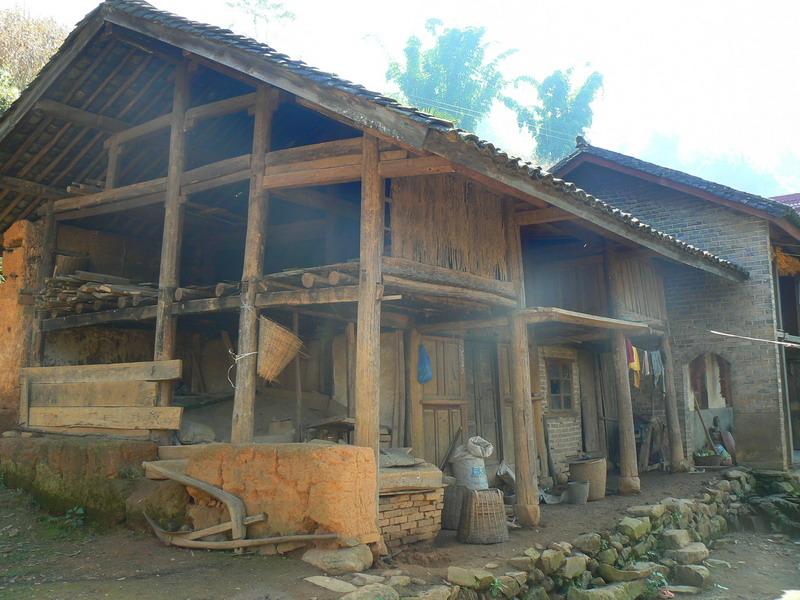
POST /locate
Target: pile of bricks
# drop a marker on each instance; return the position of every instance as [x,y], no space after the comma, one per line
[410,517]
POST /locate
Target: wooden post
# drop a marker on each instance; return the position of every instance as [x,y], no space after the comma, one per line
[243,426]
[350,341]
[628,468]
[677,457]
[538,412]
[368,328]
[525,428]
[527,507]
[298,384]
[168,279]
[112,169]
[414,392]
[49,239]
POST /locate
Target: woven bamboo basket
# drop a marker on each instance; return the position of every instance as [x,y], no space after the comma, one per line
[277,346]
[483,518]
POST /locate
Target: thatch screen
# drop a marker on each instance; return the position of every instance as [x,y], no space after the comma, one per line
[449,221]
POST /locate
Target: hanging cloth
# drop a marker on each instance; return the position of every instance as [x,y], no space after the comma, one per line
[636,366]
[629,350]
[658,366]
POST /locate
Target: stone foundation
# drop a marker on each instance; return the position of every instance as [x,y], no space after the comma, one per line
[63,472]
[410,517]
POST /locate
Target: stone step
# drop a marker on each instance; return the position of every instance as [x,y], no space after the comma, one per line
[691,554]
[175,465]
[179,452]
[675,539]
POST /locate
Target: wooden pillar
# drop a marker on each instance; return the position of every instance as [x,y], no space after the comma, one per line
[416,424]
[677,457]
[525,424]
[368,327]
[538,411]
[49,240]
[527,489]
[628,467]
[242,425]
[298,384]
[112,169]
[168,278]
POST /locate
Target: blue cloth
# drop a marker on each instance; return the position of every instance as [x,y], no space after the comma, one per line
[424,368]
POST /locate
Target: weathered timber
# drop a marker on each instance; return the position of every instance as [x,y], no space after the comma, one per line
[368,326]
[137,313]
[165,370]
[298,384]
[172,237]
[439,290]
[543,215]
[339,278]
[330,295]
[541,314]
[410,167]
[461,326]
[148,127]
[628,468]
[219,108]
[414,391]
[23,186]
[411,269]
[242,426]
[81,117]
[106,417]
[677,457]
[50,233]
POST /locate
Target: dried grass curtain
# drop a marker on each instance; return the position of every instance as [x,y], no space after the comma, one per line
[448,221]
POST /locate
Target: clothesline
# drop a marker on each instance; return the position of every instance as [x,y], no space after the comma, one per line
[754,339]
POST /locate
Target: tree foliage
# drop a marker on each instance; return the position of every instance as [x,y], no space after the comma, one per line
[26,44]
[261,13]
[561,113]
[451,79]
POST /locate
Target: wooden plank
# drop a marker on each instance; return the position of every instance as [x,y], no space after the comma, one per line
[243,426]
[143,129]
[135,190]
[368,325]
[463,326]
[410,167]
[414,392]
[94,393]
[411,269]
[540,314]
[107,417]
[542,215]
[137,313]
[165,370]
[81,117]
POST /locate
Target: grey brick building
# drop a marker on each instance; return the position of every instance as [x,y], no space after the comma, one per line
[754,392]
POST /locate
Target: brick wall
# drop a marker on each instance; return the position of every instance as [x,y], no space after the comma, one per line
[411,517]
[563,428]
[698,302]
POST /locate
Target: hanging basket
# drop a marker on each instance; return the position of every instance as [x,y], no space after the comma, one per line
[277,346]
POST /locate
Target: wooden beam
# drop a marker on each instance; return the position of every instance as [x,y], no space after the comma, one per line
[330,295]
[411,269]
[136,313]
[148,127]
[463,326]
[135,190]
[541,314]
[242,425]
[542,215]
[219,108]
[411,167]
[81,117]
[106,417]
[172,237]
[439,290]
[628,467]
[136,371]
[31,188]
[368,325]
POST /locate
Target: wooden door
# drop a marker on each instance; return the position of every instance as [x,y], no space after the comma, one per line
[483,395]
[444,406]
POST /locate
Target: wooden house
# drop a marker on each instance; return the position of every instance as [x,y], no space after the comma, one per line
[211,180]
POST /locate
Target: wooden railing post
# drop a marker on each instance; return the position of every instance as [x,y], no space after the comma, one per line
[49,240]
[368,327]
[169,274]
[628,467]
[242,425]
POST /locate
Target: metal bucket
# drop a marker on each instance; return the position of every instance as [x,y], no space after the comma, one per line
[592,470]
[577,492]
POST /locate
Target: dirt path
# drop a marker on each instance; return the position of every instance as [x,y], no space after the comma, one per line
[50,558]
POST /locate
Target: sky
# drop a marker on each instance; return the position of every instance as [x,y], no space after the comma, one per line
[708,87]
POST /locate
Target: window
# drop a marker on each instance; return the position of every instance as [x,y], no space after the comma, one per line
[710,381]
[559,384]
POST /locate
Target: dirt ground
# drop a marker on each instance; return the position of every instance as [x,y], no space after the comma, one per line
[55,557]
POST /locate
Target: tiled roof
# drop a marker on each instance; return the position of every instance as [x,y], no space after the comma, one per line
[769,206]
[568,192]
[792,200]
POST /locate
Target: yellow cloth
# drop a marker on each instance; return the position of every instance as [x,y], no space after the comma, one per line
[636,366]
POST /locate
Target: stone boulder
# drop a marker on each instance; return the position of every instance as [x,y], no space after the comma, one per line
[693,575]
[332,584]
[614,575]
[674,539]
[628,590]
[474,579]
[373,591]
[340,560]
[652,511]
[550,561]
[588,543]
[634,528]
[691,554]
[574,566]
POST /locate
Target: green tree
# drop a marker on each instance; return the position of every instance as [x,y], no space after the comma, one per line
[561,113]
[451,79]
[261,13]
[26,45]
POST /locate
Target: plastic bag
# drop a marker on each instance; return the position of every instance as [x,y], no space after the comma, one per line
[424,368]
[477,446]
